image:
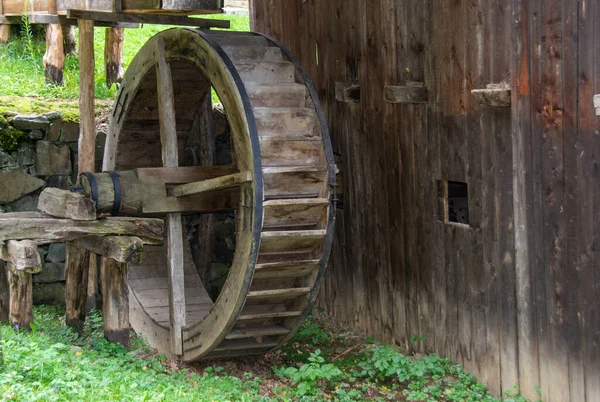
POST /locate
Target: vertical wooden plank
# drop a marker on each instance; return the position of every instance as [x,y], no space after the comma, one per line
[115,301]
[21,298]
[4,292]
[589,177]
[529,376]
[550,130]
[76,275]
[571,331]
[168,137]
[92,287]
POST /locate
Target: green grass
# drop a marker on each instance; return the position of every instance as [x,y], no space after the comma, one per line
[54,363]
[22,70]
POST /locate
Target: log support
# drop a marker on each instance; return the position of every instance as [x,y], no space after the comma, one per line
[54,58]
[4,33]
[20,298]
[115,301]
[76,275]
[70,40]
[113,55]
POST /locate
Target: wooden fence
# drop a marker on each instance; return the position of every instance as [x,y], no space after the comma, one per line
[514,295]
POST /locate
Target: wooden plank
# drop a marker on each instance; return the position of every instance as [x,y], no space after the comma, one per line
[266,316]
[115,301]
[218,183]
[293,240]
[66,204]
[275,295]
[159,19]
[22,255]
[45,229]
[413,92]
[286,269]
[183,174]
[493,97]
[168,139]
[256,331]
[295,212]
[21,298]
[124,249]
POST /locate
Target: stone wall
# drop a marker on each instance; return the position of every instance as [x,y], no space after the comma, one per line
[38,152]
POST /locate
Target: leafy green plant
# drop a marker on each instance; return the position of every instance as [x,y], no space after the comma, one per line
[309,375]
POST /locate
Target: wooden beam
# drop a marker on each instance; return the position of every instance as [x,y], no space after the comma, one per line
[168,137]
[345,92]
[218,183]
[123,249]
[23,255]
[113,55]
[493,96]
[115,301]
[20,304]
[45,229]
[60,19]
[66,204]
[159,19]
[412,92]
[183,174]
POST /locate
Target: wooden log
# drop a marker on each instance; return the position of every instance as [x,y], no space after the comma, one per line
[494,95]
[21,298]
[219,183]
[4,33]
[170,158]
[159,19]
[4,292]
[70,40]
[115,301]
[23,255]
[113,55]
[412,92]
[76,275]
[123,249]
[183,174]
[206,226]
[345,92]
[66,204]
[54,58]
[45,229]
[92,285]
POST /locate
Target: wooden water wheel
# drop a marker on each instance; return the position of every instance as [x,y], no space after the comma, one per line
[280,186]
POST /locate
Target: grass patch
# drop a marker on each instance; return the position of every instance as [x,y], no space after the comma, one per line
[54,363]
[22,70]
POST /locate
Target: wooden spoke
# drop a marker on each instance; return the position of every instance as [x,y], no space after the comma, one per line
[218,183]
[170,158]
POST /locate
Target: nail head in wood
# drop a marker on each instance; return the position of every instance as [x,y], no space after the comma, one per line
[345,92]
[412,93]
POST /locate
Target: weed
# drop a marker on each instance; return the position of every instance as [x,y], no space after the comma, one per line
[310,375]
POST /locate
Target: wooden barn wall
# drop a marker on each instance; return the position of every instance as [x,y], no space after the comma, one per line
[515,297]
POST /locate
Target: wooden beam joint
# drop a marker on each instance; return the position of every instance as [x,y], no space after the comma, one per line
[218,183]
[412,93]
[494,95]
[347,92]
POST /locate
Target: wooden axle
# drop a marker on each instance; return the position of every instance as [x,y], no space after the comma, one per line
[145,191]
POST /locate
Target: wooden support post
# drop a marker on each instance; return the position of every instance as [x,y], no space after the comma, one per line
[170,158]
[54,58]
[91,302]
[21,297]
[203,251]
[115,301]
[113,55]
[70,41]
[4,33]
[76,276]
[4,292]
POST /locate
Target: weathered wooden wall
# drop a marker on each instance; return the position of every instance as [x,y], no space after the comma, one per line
[515,297]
